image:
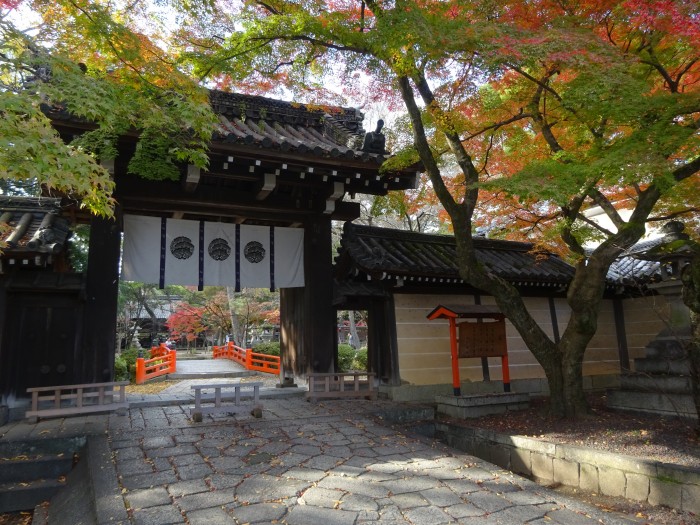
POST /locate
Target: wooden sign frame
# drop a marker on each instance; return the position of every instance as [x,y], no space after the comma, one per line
[482,339]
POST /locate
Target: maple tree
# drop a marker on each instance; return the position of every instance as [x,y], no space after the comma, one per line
[187,322]
[252,310]
[547,108]
[204,314]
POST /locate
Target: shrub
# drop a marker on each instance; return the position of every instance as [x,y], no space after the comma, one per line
[268,348]
[121,369]
[346,355]
[360,361]
[125,364]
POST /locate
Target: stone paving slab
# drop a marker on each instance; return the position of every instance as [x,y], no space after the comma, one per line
[304,463]
[320,463]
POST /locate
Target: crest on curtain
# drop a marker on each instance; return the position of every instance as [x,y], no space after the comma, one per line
[202,253]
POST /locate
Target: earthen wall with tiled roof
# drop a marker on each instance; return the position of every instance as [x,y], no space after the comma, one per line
[32,231]
[408,256]
[386,254]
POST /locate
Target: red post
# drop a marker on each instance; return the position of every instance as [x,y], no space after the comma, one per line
[506,373]
[140,371]
[173,361]
[249,358]
[455,359]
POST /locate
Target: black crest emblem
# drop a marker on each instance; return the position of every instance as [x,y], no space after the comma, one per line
[219,249]
[254,252]
[182,248]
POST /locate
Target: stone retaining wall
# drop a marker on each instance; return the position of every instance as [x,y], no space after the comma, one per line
[593,471]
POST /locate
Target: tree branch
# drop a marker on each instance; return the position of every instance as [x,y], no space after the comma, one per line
[426,154]
[605,204]
[673,215]
[591,222]
[464,161]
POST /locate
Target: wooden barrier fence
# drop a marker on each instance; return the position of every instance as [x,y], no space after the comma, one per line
[160,365]
[68,400]
[269,364]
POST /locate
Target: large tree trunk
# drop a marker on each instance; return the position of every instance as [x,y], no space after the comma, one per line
[508,299]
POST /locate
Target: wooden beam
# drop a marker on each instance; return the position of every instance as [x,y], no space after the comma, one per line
[269,183]
[192,178]
[338,192]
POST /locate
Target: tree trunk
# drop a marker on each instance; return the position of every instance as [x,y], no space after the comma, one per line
[231,295]
[353,329]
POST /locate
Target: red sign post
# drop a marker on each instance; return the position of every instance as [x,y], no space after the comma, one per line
[476,339]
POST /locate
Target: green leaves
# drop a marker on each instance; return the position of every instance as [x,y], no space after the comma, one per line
[31,149]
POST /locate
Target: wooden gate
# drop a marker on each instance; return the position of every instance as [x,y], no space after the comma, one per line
[41,339]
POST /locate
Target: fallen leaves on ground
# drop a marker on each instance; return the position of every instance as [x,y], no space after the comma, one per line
[155,387]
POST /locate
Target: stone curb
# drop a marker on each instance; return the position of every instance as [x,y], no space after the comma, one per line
[109,504]
[649,481]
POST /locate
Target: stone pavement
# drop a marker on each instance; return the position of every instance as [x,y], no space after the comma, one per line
[304,463]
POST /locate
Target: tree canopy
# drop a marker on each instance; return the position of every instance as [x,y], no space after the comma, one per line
[90,60]
[546,108]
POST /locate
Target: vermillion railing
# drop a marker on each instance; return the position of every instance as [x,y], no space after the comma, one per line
[269,364]
[163,361]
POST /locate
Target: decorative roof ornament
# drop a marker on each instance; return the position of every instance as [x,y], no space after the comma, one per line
[375,141]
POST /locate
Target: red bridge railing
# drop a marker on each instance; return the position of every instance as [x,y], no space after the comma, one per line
[269,364]
[163,361]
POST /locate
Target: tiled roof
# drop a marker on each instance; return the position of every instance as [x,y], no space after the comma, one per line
[32,229]
[271,124]
[632,269]
[322,131]
[394,254]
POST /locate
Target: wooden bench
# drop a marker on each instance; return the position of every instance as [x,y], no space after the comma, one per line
[71,400]
[223,404]
[343,384]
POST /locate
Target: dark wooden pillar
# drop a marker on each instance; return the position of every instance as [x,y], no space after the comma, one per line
[307,323]
[102,290]
[7,365]
[389,357]
[319,313]
[382,346]
[291,334]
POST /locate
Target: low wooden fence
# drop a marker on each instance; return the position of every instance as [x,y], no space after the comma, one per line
[69,400]
[163,361]
[269,364]
[341,384]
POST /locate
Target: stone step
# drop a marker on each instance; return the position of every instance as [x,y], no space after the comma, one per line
[670,405]
[667,347]
[471,406]
[662,366]
[18,496]
[22,468]
[656,383]
[33,471]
